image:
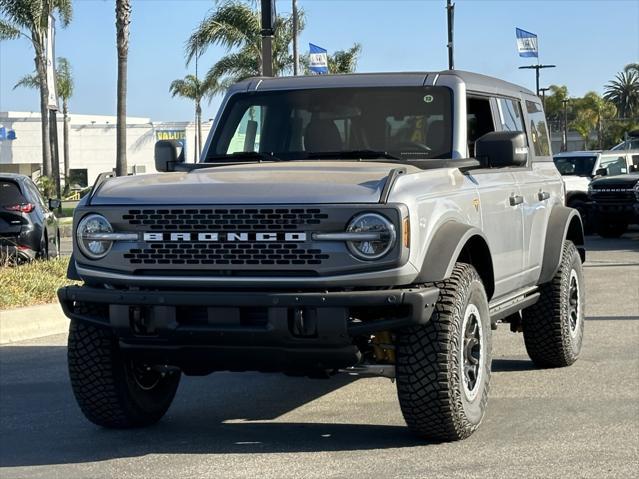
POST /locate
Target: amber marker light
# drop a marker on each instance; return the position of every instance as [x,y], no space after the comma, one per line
[406,232]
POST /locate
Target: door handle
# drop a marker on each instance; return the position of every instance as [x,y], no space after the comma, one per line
[543,195]
[516,200]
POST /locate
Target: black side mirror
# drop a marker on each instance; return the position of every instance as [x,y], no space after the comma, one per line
[499,149]
[601,172]
[168,153]
[54,203]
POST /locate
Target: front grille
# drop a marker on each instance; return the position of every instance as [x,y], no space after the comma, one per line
[613,196]
[235,219]
[225,254]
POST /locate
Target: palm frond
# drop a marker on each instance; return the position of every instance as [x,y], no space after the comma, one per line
[64,78]
[8,31]
[28,81]
[233,24]
[65,11]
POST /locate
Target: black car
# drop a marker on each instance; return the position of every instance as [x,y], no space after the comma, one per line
[614,203]
[28,228]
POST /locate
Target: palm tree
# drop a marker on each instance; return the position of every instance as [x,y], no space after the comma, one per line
[64,84]
[122,23]
[344,61]
[30,19]
[235,25]
[623,91]
[194,89]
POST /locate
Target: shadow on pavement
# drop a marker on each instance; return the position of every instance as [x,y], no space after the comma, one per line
[40,423]
[511,365]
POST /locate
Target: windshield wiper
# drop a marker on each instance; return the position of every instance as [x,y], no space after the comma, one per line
[352,154]
[245,155]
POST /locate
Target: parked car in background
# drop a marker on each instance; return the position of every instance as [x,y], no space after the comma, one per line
[630,143]
[614,204]
[578,168]
[28,228]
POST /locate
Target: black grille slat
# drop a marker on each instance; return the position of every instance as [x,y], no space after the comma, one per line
[223,253]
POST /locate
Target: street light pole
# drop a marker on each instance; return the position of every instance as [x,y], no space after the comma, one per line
[450,11]
[543,96]
[537,68]
[267,38]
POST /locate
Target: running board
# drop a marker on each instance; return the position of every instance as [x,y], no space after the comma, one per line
[513,303]
[383,370]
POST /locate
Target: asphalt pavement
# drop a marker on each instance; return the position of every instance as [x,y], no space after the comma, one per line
[581,421]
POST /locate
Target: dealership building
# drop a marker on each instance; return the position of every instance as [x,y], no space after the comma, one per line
[91,144]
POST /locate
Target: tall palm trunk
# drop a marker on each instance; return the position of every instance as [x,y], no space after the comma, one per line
[122,22]
[41,70]
[198,125]
[65,140]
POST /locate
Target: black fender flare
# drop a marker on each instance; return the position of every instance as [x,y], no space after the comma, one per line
[564,224]
[446,247]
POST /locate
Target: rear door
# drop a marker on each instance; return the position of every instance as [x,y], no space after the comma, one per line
[540,185]
[11,219]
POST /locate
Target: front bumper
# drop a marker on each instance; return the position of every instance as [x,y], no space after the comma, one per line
[206,331]
[615,212]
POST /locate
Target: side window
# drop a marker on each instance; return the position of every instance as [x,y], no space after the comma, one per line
[34,193]
[247,134]
[538,129]
[480,121]
[615,165]
[510,117]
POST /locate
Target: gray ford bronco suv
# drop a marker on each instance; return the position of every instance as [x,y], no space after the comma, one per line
[378,224]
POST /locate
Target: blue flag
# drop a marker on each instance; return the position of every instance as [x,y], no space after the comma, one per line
[318,60]
[526,43]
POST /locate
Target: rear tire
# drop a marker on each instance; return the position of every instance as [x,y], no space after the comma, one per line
[443,366]
[111,390]
[554,326]
[43,252]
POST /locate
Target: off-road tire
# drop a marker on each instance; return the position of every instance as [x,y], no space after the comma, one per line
[104,385]
[551,340]
[429,366]
[611,230]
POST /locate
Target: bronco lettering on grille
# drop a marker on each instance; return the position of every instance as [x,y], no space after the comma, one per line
[227,236]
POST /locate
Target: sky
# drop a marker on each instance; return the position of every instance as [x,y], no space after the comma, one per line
[589,41]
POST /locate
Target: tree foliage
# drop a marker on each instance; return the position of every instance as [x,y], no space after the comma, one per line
[623,91]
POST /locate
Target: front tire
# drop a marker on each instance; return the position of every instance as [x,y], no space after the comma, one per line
[554,326]
[112,390]
[443,366]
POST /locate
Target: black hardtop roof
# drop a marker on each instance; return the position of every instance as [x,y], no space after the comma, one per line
[473,81]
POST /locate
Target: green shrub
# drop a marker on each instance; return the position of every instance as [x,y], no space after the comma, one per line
[32,283]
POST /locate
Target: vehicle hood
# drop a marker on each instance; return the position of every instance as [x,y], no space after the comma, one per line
[576,183]
[620,181]
[255,183]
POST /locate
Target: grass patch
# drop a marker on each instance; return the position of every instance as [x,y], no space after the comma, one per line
[32,283]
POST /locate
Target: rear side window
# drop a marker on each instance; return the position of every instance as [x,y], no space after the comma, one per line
[510,116]
[538,129]
[10,194]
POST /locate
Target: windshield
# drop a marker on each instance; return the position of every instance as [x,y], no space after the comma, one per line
[406,122]
[575,165]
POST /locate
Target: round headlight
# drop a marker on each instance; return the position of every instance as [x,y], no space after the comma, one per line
[376,248]
[88,227]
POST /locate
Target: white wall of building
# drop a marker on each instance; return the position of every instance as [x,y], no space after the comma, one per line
[91,141]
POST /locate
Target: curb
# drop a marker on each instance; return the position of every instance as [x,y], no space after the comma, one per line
[33,322]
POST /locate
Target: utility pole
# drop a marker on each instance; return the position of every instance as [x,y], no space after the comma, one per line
[296,54]
[564,139]
[450,10]
[267,38]
[537,68]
